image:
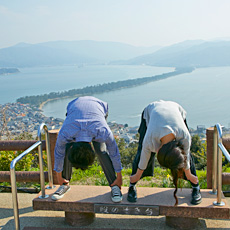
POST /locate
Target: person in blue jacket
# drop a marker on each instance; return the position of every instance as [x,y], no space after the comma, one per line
[84,133]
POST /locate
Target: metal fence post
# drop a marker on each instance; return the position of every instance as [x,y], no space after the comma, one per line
[219,166]
[42,177]
[49,162]
[13,182]
[214,162]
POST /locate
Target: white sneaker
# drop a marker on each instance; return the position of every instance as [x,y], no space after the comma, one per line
[116,194]
[60,192]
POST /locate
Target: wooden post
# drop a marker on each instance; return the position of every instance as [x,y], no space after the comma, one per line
[209,138]
[226,143]
[53,134]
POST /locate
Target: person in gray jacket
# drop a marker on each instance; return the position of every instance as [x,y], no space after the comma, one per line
[164,131]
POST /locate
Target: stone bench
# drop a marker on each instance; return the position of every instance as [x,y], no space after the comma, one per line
[81,204]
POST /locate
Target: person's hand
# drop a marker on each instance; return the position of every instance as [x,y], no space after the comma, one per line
[118,180]
[191,177]
[61,180]
[136,177]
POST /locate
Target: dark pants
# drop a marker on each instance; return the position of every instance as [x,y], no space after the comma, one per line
[150,167]
[105,161]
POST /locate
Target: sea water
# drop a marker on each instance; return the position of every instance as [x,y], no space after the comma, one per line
[204,94]
[42,80]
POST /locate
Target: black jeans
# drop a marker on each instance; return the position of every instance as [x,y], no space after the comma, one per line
[149,171]
[105,161]
[103,156]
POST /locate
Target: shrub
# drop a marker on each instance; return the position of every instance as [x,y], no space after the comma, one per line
[29,162]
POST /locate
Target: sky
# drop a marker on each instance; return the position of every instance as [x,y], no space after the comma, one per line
[135,22]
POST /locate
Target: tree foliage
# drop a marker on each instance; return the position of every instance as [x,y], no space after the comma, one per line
[23,165]
[127,152]
[198,150]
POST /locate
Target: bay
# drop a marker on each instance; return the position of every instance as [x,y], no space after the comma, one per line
[203,94]
[42,80]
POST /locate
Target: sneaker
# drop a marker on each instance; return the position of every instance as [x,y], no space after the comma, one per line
[196,196]
[116,194]
[132,194]
[60,192]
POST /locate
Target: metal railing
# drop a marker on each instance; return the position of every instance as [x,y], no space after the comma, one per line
[42,178]
[49,164]
[218,149]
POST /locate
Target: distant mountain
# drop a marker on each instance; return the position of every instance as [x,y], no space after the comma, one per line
[38,55]
[68,53]
[193,53]
[189,53]
[104,51]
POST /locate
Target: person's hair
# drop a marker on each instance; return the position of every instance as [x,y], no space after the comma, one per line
[171,155]
[80,154]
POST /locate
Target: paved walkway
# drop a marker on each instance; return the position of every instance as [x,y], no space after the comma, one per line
[48,220]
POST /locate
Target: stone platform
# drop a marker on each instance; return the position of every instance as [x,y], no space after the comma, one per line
[82,202]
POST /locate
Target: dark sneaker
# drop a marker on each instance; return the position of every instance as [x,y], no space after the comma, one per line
[132,194]
[61,191]
[196,196]
[116,194]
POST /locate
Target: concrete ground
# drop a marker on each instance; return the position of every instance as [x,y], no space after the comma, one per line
[55,220]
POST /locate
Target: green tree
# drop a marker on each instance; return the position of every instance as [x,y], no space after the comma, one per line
[198,150]
[23,165]
[196,144]
[127,152]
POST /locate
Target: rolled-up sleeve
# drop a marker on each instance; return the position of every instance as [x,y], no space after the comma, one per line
[59,153]
[186,143]
[113,152]
[145,156]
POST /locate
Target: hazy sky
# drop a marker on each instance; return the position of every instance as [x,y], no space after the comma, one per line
[135,22]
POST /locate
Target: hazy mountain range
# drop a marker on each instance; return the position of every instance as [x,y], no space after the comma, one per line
[196,53]
[69,52]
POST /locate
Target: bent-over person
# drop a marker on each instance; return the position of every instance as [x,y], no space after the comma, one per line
[164,131]
[85,133]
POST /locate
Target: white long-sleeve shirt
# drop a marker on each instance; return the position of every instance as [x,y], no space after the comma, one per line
[163,118]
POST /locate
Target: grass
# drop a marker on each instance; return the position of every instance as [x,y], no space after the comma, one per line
[161,178]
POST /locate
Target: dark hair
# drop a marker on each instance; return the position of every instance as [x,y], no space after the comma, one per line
[80,154]
[171,155]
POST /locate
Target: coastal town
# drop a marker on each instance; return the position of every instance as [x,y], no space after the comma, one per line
[18,118]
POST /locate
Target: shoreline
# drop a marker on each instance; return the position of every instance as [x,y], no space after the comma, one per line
[44,102]
[52,99]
